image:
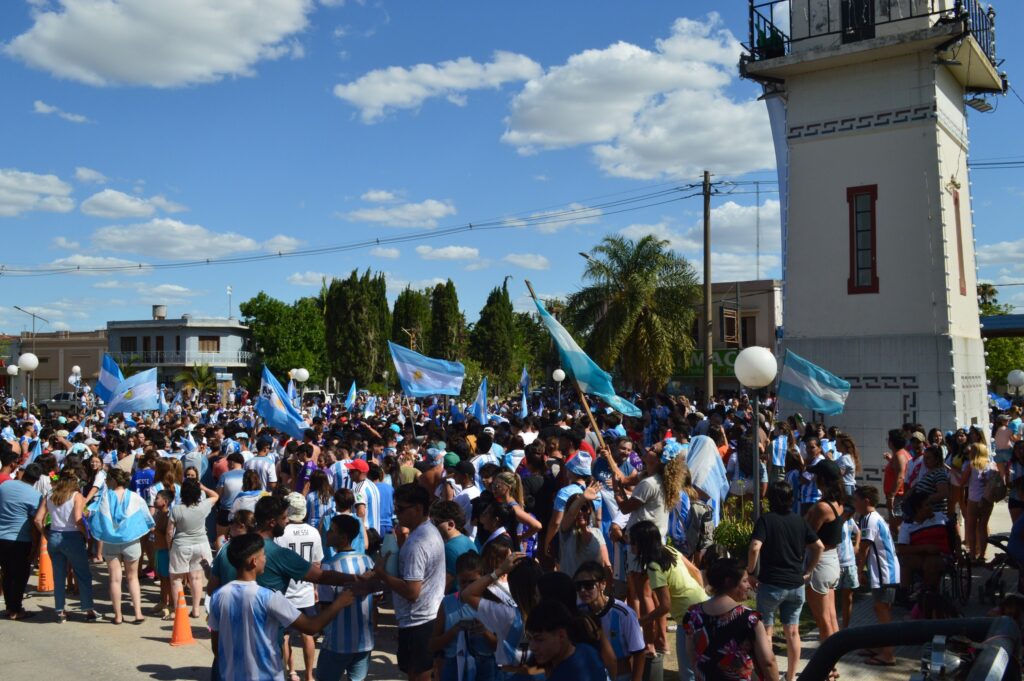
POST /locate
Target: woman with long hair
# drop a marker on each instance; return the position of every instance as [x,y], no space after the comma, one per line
[319,500]
[579,540]
[825,517]
[252,490]
[957,456]
[979,468]
[65,539]
[186,535]
[676,584]
[507,488]
[165,477]
[849,462]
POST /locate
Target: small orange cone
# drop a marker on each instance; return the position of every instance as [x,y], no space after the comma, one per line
[45,569]
[182,634]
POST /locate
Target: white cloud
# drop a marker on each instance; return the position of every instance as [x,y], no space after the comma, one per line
[83,174]
[91,261]
[41,107]
[1001,253]
[379,196]
[648,113]
[110,203]
[448,253]
[663,231]
[396,87]
[21,192]
[64,242]
[551,221]
[384,252]
[480,264]
[308,278]
[169,238]
[160,44]
[530,261]
[152,293]
[396,285]
[281,244]
[423,214]
[739,266]
[110,283]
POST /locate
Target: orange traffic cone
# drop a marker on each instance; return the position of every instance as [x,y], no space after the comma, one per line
[45,569]
[182,634]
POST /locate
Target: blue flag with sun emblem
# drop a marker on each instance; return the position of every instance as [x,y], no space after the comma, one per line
[425,376]
[275,408]
[135,393]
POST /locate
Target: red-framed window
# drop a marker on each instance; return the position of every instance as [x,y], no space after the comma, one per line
[959,243]
[862,203]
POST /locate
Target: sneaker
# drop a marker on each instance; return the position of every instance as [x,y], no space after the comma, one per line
[61,617]
[91,616]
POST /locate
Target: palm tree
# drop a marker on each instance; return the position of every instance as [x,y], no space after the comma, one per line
[197,376]
[986,293]
[637,310]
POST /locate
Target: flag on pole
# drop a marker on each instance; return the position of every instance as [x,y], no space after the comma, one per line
[478,409]
[350,399]
[162,402]
[110,378]
[273,406]
[293,394]
[810,385]
[423,376]
[524,383]
[176,400]
[136,393]
[370,408]
[591,378]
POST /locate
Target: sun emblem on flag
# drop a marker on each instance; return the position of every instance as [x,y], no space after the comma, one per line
[417,374]
[128,395]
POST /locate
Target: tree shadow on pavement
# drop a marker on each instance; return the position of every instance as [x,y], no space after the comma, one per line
[164,672]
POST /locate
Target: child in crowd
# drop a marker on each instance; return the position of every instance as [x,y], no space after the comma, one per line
[459,640]
[848,581]
[161,513]
[877,556]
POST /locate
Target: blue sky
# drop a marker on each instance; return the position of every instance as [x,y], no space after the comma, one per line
[153,131]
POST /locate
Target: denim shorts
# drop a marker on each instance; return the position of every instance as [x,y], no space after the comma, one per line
[885,595]
[848,578]
[331,666]
[789,603]
[1003,455]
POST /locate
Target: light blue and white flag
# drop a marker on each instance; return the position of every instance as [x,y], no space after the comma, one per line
[423,376]
[350,399]
[119,521]
[812,386]
[80,428]
[136,393]
[478,409]
[293,394]
[273,406]
[370,408]
[591,378]
[162,402]
[110,378]
[524,383]
[176,400]
[707,471]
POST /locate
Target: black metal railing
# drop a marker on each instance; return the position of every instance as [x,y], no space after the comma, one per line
[776,25]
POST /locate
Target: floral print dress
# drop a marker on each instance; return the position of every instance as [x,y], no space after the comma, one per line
[723,645]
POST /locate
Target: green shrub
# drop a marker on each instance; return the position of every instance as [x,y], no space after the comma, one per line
[734,535]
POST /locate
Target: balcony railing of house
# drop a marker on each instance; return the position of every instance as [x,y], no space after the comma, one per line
[152,358]
[777,25]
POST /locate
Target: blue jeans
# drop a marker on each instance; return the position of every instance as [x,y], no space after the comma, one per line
[332,666]
[789,603]
[685,668]
[64,548]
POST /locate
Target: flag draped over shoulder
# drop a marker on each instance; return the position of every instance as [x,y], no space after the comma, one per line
[707,471]
[110,378]
[591,378]
[810,385]
[478,409]
[423,376]
[136,393]
[274,407]
[119,521]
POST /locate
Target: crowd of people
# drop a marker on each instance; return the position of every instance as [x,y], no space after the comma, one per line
[555,546]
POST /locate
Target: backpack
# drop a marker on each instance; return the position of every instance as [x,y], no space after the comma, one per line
[700,527]
[995,487]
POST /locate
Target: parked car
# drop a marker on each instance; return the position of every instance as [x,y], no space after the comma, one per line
[61,402]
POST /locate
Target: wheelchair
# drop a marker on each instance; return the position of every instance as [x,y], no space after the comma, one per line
[994,588]
[956,581]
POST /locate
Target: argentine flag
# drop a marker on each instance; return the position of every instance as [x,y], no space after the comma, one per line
[812,386]
[350,399]
[119,521]
[110,378]
[371,407]
[425,376]
[137,393]
[293,395]
[591,378]
[478,409]
[273,406]
[524,383]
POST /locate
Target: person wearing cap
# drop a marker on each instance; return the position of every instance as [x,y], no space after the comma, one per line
[366,493]
[825,517]
[578,472]
[304,540]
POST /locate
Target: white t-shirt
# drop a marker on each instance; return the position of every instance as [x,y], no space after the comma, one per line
[505,621]
[304,540]
[648,491]
[421,559]
[465,500]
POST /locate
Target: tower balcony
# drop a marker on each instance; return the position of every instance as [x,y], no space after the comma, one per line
[788,37]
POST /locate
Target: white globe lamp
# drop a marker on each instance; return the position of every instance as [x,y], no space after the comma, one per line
[1016,379]
[301,375]
[755,368]
[12,370]
[28,362]
[558,376]
[76,370]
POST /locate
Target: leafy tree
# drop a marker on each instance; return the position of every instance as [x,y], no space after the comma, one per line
[533,349]
[636,311]
[492,341]
[198,376]
[357,326]
[411,313]
[287,336]
[1004,354]
[446,335]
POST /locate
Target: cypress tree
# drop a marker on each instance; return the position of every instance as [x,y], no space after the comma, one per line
[446,322]
[412,313]
[493,339]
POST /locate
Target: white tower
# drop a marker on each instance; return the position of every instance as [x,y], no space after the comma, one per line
[868,112]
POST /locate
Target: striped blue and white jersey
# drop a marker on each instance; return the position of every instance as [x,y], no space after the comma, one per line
[621,628]
[317,509]
[780,446]
[351,630]
[809,492]
[883,565]
[229,486]
[847,557]
[265,468]
[367,493]
[338,475]
[248,619]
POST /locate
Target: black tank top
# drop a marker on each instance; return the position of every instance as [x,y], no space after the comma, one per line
[831,533]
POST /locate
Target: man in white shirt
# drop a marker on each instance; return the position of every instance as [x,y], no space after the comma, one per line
[304,540]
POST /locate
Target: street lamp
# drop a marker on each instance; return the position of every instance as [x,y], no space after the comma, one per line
[300,376]
[1016,379]
[558,376]
[755,368]
[76,381]
[28,363]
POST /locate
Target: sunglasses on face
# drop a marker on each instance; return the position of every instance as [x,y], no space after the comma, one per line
[586,584]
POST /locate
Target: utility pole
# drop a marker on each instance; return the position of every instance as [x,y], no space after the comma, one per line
[709,371]
[757,228]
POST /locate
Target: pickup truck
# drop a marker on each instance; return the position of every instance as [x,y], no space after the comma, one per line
[59,403]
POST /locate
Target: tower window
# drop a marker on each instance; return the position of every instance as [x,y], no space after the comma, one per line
[863,250]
